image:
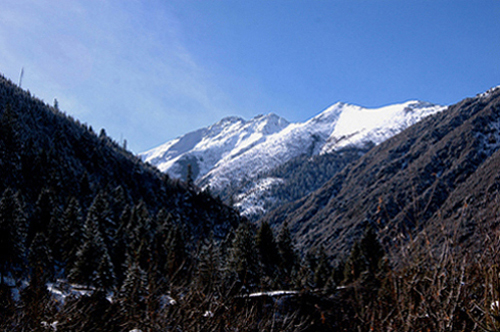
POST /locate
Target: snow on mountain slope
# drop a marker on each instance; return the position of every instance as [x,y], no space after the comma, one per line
[280,147]
[233,149]
[358,126]
[206,147]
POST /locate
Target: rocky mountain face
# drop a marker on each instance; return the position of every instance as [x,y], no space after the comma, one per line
[440,176]
[249,162]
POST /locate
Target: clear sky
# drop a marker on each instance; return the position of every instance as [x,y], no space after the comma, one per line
[151,70]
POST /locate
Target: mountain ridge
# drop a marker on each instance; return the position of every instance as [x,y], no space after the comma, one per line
[232,152]
[401,185]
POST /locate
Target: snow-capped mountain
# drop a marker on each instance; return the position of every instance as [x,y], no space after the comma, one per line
[209,148]
[357,125]
[439,178]
[233,150]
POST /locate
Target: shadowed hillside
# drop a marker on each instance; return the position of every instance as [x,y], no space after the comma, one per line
[41,148]
[420,178]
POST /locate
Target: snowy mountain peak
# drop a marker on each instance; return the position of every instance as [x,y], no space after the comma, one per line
[206,147]
[233,150]
[227,121]
[329,115]
[358,126]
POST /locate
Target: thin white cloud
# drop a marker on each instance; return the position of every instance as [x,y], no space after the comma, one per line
[122,65]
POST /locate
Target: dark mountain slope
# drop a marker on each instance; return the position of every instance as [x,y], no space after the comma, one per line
[43,149]
[472,211]
[402,183]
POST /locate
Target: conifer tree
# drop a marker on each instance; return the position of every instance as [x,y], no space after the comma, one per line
[89,255]
[365,256]
[372,250]
[104,277]
[122,242]
[55,238]
[141,234]
[189,176]
[133,292]
[100,212]
[177,251]
[71,223]
[288,256]
[159,244]
[117,202]
[40,259]
[323,270]
[85,189]
[45,209]
[9,143]
[9,129]
[12,232]
[208,273]
[35,298]
[268,250]
[243,258]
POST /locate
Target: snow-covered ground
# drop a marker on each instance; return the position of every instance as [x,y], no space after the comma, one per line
[254,199]
[489,92]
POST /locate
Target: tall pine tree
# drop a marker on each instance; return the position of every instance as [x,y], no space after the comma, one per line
[243,258]
[101,213]
[208,271]
[268,251]
[177,254]
[365,257]
[89,257]
[45,208]
[72,230]
[12,232]
[40,259]
[133,292]
[141,233]
[289,259]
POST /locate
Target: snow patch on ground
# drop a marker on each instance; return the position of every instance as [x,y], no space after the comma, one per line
[61,289]
[253,200]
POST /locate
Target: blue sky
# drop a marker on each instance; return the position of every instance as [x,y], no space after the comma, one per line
[151,70]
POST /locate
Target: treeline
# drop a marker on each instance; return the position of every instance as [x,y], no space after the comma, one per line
[41,147]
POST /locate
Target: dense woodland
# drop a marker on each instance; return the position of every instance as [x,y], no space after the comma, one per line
[92,239]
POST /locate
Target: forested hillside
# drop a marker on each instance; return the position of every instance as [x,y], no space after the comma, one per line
[45,151]
[93,239]
[426,177]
